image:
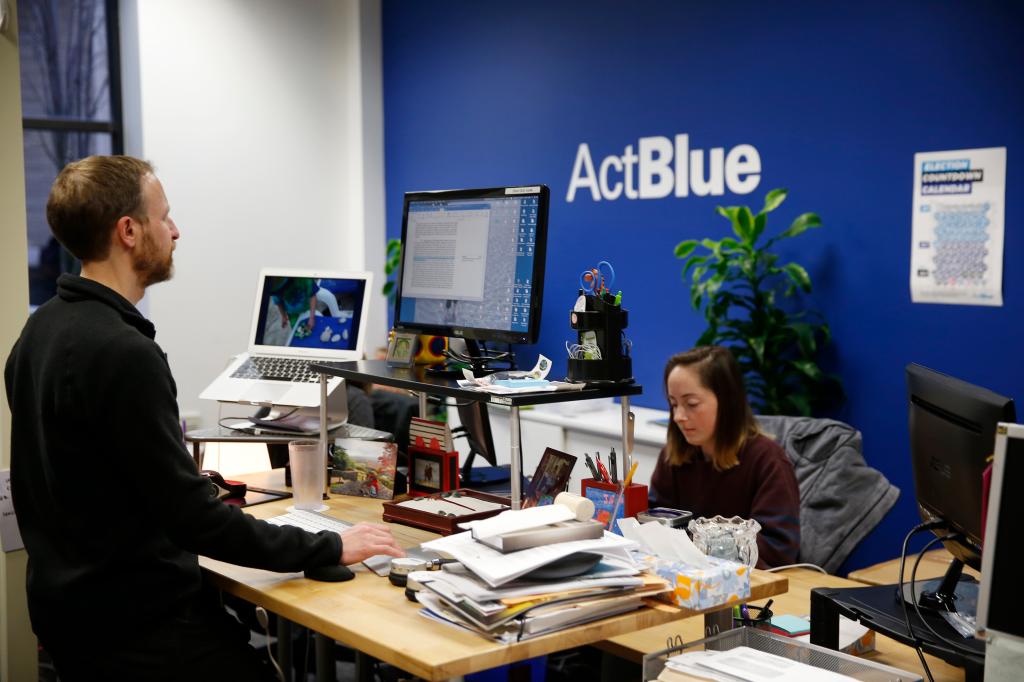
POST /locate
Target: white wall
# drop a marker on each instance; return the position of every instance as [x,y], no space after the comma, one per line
[18,660]
[264,121]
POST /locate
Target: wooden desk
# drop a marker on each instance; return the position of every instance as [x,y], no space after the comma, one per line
[371,616]
[933,565]
[796,601]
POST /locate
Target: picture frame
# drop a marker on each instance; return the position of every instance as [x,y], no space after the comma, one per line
[432,471]
[401,349]
[550,478]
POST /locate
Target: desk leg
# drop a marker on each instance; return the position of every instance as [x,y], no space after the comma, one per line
[364,667]
[197,454]
[627,439]
[717,621]
[325,668]
[284,647]
[517,450]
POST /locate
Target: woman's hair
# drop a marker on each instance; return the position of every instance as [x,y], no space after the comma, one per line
[734,424]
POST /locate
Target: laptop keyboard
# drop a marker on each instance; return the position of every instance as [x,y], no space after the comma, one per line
[268,368]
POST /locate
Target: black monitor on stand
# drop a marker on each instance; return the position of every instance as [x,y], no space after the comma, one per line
[952,436]
[953,427]
[472,268]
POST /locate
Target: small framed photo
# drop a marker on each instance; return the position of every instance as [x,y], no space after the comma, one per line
[550,478]
[401,349]
[432,471]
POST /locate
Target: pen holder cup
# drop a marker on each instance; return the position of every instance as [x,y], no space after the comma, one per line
[604,495]
[603,323]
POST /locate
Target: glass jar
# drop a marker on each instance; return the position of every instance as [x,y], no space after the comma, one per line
[734,539]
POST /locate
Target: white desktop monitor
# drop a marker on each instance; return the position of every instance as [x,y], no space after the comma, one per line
[998,618]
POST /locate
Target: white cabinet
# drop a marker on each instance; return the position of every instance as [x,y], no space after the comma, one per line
[576,430]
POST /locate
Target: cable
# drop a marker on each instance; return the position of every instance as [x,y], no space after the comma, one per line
[906,613]
[913,573]
[814,567]
[264,621]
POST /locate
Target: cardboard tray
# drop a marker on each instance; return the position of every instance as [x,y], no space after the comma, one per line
[445,525]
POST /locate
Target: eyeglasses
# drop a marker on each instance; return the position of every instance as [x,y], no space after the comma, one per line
[745,614]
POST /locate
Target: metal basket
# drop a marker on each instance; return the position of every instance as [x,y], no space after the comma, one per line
[795,650]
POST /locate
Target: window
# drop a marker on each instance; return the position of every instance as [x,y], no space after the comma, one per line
[71,108]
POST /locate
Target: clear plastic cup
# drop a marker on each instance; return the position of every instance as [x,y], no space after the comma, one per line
[309,474]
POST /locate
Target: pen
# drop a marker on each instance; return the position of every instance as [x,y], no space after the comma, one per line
[592,466]
[604,472]
[613,466]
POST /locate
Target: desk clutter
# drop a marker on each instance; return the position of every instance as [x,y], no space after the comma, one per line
[442,512]
[748,654]
[533,571]
[433,461]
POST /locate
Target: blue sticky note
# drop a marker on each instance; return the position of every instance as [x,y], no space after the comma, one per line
[793,625]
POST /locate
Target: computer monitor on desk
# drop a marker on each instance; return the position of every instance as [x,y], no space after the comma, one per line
[999,618]
[473,265]
[952,437]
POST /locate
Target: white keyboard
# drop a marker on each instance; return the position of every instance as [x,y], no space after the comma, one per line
[311,521]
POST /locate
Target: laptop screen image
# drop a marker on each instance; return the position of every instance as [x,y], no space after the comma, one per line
[310,313]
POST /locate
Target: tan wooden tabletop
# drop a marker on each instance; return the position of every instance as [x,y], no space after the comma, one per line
[933,565]
[374,617]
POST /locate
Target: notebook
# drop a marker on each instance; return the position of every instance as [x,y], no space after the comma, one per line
[299,316]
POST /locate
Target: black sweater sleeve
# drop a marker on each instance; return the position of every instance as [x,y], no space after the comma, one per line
[178,502]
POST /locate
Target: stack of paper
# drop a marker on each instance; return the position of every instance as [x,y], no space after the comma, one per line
[742,663]
[498,595]
[522,609]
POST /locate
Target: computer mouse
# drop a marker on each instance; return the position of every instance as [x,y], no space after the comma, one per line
[223,488]
[329,574]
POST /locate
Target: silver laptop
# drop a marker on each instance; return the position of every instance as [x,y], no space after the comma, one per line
[299,316]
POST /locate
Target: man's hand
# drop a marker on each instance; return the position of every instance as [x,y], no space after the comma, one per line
[365,540]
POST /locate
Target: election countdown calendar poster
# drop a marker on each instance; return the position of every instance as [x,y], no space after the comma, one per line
[959,202]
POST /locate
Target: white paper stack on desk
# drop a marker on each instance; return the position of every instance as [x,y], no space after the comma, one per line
[498,594]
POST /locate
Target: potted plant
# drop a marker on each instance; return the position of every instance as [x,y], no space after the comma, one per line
[393,258]
[750,303]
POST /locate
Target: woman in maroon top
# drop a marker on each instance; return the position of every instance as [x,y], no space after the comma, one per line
[717,461]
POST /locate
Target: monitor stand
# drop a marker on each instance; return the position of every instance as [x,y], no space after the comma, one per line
[954,597]
[479,359]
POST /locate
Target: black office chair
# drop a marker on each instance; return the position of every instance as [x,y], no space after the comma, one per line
[476,429]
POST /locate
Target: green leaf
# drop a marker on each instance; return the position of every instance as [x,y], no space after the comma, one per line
[798,276]
[809,368]
[803,222]
[728,243]
[685,248]
[773,199]
[760,221]
[693,261]
[744,224]
[757,345]
[728,212]
[800,403]
[388,288]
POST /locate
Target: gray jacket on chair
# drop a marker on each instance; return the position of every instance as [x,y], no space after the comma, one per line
[841,498]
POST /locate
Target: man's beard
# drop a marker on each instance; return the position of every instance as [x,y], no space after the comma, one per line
[148,264]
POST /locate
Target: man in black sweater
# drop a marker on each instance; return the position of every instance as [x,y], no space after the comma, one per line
[111,508]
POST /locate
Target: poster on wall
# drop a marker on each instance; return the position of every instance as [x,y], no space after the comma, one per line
[959,209]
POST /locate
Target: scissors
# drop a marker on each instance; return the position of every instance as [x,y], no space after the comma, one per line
[599,279]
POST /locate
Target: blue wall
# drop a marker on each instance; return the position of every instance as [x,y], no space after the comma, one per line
[836,97]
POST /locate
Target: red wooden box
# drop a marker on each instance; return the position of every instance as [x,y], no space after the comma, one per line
[603,495]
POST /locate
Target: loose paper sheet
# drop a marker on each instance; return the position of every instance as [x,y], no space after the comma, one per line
[959,208]
[10,536]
